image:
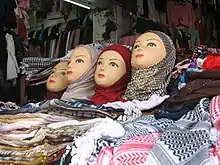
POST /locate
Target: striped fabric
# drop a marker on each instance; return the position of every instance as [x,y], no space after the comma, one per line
[215,111]
[133,151]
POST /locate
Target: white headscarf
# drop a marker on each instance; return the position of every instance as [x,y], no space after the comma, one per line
[83,88]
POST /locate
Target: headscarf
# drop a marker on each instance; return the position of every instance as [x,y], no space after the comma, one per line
[115,92]
[83,88]
[152,80]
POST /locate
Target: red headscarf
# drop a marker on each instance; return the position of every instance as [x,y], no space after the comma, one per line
[115,92]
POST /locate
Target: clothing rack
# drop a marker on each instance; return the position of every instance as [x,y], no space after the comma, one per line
[58,39]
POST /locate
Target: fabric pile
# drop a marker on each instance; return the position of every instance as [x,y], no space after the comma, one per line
[197,77]
[37,138]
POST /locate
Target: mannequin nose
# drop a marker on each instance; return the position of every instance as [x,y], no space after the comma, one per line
[139,49]
[101,68]
[54,76]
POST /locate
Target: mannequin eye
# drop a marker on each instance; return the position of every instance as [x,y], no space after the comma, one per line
[113,64]
[52,72]
[151,44]
[79,61]
[136,46]
[63,73]
[99,62]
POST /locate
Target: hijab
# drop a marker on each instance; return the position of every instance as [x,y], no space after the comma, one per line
[146,82]
[115,92]
[83,88]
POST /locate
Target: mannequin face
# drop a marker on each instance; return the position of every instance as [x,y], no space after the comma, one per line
[148,50]
[58,80]
[110,69]
[79,63]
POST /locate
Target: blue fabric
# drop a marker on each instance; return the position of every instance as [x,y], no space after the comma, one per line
[182,78]
[82,104]
[173,115]
[2,8]
[41,35]
[194,70]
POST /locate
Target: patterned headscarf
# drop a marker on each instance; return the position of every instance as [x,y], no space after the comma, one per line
[83,88]
[152,80]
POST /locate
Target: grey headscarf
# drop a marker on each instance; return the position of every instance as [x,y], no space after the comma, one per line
[154,79]
[83,88]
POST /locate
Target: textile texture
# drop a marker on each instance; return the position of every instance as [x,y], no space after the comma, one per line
[152,80]
[114,92]
[83,88]
[133,151]
[215,111]
[185,142]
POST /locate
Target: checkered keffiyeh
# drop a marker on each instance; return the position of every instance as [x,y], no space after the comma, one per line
[153,80]
[35,63]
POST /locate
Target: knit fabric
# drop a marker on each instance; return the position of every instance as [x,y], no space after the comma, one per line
[152,80]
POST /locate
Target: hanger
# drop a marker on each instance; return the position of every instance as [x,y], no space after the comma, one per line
[181,24]
[180,2]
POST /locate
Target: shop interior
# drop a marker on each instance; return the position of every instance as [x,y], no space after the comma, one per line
[109,82]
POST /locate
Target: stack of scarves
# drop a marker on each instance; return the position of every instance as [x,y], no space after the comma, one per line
[32,139]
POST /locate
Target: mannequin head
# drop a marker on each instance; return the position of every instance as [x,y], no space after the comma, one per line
[78,64]
[110,68]
[81,71]
[113,73]
[58,80]
[153,59]
[148,51]
[112,65]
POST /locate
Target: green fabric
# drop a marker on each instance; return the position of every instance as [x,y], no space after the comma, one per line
[195,40]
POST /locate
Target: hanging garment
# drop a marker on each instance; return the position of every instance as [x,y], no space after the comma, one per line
[24,4]
[178,11]
[12,65]
[194,38]
[76,38]
[129,40]
[67,41]
[153,14]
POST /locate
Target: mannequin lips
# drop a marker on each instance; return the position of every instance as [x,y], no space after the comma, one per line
[69,72]
[139,55]
[101,75]
[51,81]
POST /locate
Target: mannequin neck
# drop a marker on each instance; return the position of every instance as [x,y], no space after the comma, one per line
[54,95]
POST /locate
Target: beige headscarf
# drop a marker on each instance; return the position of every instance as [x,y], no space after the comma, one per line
[83,88]
[152,80]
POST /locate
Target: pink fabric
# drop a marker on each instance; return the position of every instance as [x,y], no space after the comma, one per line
[214,51]
[24,4]
[214,109]
[133,152]
[176,11]
[215,152]
[128,40]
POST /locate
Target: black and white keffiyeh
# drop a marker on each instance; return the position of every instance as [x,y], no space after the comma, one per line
[187,141]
